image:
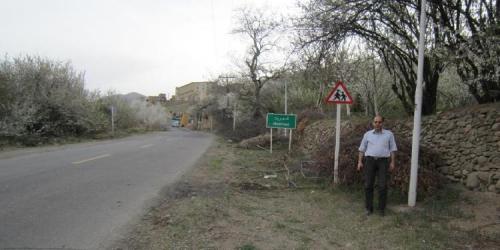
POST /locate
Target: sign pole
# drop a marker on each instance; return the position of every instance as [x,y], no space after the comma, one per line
[271,140]
[338,95]
[412,192]
[337,148]
[283,121]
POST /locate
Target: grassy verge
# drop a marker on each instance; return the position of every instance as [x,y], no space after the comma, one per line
[227,203]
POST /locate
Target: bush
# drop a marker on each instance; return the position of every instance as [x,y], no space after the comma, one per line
[46,99]
[310,114]
[429,178]
[244,129]
[42,99]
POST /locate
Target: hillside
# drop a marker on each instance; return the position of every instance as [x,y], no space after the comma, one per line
[132,96]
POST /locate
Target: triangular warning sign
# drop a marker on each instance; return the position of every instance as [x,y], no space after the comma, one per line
[339,94]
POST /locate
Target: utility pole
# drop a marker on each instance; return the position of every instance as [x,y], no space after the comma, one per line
[112,120]
[227,98]
[286,103]
[412,193]
[234,116]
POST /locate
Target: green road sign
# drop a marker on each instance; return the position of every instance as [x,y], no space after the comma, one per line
[281,121]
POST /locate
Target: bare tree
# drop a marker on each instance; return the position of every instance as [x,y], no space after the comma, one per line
[262,31]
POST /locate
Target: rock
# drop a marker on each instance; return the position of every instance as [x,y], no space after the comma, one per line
[491,139]
[457,173]
[497,186]
[472,181]
[487,167]
[484,110]
[481,160]
[450,127]
[453,178]
[483,176]
[491,188]
[467,129]
[487,154]
[469,167]
[444,170]
[496,176]
[495,127]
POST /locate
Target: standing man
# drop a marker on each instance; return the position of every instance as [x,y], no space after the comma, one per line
[379,149]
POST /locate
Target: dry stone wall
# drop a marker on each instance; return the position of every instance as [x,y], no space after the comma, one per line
[469,143]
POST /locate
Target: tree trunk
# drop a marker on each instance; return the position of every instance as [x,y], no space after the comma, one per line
[431,78]
[257,111]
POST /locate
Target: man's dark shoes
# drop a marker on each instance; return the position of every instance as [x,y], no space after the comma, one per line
[368,212]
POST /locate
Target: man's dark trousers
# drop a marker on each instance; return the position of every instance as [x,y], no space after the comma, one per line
[376,167]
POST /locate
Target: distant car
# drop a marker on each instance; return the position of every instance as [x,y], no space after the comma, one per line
[176,122]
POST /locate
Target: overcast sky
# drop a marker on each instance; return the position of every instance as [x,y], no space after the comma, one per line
[146,46]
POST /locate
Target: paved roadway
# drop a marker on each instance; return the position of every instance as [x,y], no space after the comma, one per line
[81,196]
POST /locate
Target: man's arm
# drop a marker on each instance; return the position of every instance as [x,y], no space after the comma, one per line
[392,165]
[360,160]
[393,148]
[362,150]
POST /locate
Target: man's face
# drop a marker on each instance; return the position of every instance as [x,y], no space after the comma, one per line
[377,123]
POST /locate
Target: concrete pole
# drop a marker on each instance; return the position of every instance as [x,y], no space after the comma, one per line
[112,120]
[234,116]
[211,124]
[412,195]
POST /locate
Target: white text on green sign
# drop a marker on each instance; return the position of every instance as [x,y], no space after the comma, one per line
[281,121]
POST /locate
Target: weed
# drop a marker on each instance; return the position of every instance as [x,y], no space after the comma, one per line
[279,225]
[293,220]
[247,246]
[216,164]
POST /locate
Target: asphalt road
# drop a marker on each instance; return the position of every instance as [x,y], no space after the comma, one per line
[82,196]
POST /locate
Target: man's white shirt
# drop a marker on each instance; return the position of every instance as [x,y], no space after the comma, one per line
[378,144]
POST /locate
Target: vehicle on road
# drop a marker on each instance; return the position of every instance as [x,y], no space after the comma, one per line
[175,122]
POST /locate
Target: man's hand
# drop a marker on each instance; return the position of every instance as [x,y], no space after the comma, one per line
[392,166]
[360,165]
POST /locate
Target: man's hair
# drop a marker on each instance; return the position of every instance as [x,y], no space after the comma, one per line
[383,119]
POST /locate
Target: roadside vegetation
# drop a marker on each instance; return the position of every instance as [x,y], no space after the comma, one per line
[44,101]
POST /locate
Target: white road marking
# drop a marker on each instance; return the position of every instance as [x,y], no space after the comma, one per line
[91,159]
[146,146]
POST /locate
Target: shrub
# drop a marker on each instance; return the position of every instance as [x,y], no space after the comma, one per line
[429,178]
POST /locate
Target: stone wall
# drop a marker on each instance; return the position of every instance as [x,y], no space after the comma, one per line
[469,143]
